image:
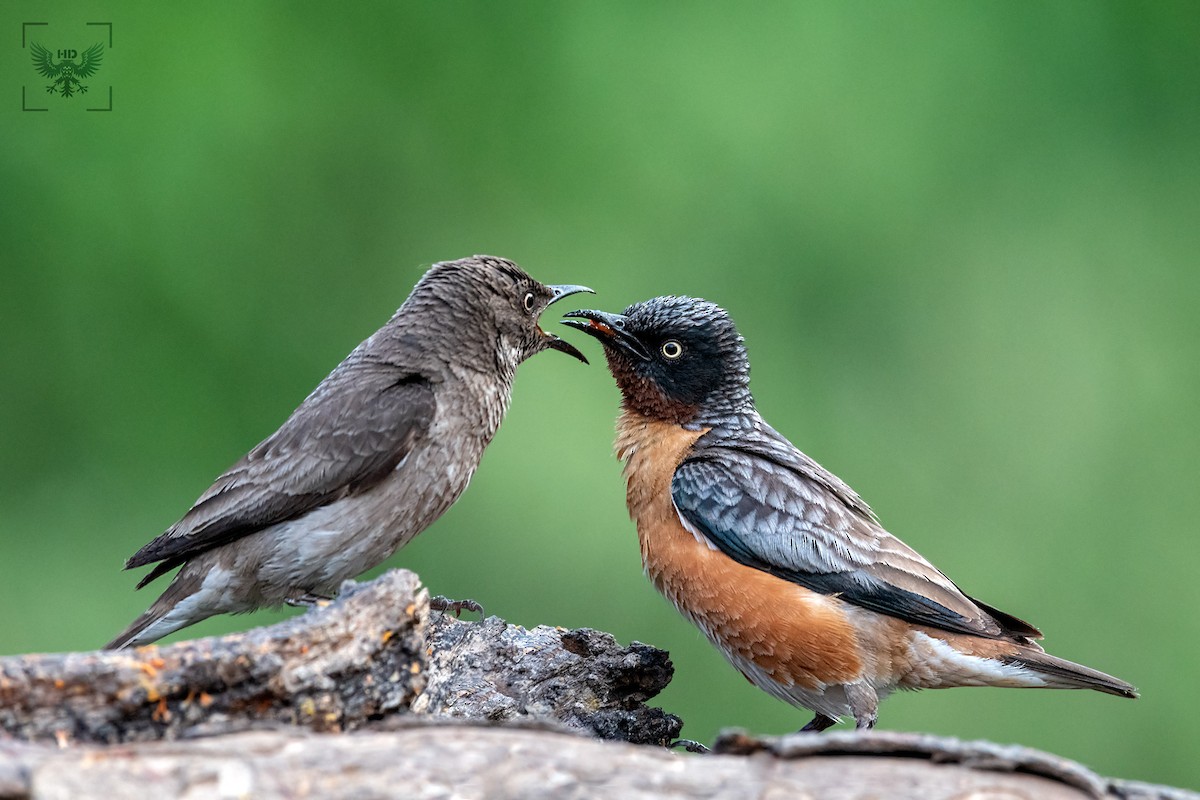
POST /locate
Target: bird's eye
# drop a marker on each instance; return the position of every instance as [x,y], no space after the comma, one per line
[671,349]
[528,301]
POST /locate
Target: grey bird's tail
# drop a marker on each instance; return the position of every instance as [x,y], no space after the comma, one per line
[175,609]
[1062,674]
[127,637]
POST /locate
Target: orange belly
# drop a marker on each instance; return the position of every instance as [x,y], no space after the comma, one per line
[793,635]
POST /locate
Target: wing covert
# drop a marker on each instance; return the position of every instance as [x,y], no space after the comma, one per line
[347,435]
[776,518]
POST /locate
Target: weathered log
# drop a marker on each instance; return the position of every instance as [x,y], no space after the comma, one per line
[375,696]
[581,678]
[497,763]
[374,652]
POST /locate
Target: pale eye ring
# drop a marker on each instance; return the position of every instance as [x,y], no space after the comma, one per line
[671,349]
[528,301]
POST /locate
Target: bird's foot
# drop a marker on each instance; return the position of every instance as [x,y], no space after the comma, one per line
[446,605]
[864,704]
[819,723]
[690,745]
[307,600]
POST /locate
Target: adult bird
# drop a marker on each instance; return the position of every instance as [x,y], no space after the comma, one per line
[380,449]
[785,569]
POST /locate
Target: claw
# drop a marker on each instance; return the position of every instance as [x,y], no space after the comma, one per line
[445,604]
[307,600]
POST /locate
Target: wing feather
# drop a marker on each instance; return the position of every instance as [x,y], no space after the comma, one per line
[353,430]
[768,506]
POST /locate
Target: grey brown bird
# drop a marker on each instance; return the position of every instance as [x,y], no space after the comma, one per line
[785,569]
[379,450]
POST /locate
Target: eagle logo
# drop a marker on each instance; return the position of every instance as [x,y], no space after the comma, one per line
[67,74]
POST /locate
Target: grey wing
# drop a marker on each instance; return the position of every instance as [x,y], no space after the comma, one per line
[353,430]
[776,518]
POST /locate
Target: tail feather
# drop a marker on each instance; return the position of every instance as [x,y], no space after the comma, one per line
[1013,626]
[175,609]
[1063,674]
[131,635]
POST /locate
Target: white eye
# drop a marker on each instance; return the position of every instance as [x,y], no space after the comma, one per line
[671,349]
[528,301]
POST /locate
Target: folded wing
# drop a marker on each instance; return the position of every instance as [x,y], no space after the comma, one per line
[337,443]
[768,506]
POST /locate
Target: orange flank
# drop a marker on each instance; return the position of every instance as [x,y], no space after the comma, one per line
[794,635]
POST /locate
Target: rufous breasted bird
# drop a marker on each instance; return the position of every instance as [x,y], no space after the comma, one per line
[379,450]
[785,569]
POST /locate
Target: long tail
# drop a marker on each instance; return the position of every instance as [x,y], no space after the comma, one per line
[176,608]
[132,636]
[1062,674]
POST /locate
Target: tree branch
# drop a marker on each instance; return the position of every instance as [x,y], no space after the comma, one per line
[375,651]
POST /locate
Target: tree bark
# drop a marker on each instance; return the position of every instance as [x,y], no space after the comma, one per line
[374,652]
[373,695]
[444,760]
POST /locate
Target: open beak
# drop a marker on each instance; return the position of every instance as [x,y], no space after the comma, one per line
[609,329]
[553,342]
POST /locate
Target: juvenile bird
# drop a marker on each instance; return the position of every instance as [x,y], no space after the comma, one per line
[785,569]
[379,450]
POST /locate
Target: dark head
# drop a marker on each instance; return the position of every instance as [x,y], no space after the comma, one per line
[674,358]
[492,303]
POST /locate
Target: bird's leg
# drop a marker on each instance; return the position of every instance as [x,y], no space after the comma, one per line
[307,600]
[819,723]
[445,604]
[690,745]
[864,704]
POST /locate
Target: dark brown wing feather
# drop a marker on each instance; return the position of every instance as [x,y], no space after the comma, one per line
[354,429]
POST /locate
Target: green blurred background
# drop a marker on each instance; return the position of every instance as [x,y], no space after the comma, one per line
[960,239]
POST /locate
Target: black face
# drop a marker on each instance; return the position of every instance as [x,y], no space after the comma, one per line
[674,358]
